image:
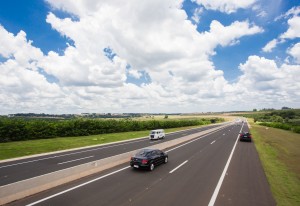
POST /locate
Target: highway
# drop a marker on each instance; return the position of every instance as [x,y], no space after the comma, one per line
[214,169]
[14,171]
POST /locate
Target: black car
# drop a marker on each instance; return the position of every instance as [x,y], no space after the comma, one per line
[148,158]
[245,136]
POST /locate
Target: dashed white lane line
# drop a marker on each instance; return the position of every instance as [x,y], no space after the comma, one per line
[213,142]
[63,155]
[178,167]
[218,187]
[61,163]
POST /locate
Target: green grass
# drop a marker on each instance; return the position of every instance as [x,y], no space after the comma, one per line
[279,151]
[23,148]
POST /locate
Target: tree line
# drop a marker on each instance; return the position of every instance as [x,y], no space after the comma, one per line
[287,119]
[17,129]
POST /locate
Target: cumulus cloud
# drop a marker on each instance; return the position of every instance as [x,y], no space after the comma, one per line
[112,43]
[294,51]
[265,81]
[22,86]
[293,30]
[227,6]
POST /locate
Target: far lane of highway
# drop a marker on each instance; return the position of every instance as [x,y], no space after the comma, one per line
[13,171]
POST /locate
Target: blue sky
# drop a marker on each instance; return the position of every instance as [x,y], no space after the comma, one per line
[172,56]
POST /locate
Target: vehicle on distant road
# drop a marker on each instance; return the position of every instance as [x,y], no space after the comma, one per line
[148,159]
[157,134]
[245,136]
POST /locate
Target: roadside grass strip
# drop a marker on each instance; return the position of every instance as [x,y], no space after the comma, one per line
[280,156]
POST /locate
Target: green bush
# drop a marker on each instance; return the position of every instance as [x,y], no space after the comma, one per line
[15,129]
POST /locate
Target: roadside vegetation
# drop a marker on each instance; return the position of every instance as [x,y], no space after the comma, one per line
[288,119]
[19,129]
[280,156]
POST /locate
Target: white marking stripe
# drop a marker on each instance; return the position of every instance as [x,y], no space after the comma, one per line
[61,163]
[213,142]
[216,192]
[178,166]
[73,188]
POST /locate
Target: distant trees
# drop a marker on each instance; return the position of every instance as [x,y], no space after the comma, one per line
[15,129]
[288,119]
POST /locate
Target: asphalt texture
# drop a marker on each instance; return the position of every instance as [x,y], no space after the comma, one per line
[189,178]
[14,171]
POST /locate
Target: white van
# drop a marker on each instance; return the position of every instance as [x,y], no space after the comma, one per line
[157,134]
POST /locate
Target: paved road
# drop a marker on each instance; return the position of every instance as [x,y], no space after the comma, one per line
[189,178]
[14,171]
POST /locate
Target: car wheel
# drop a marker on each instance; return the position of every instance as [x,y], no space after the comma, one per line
[151,167]
[166,160]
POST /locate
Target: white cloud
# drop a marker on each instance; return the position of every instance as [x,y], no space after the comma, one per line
[196,15]
[18,47]
[294,51]
[156,39]
[266,83]
[293,30]
[227,6]
[270,46]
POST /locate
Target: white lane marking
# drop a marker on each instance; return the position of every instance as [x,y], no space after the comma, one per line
[185,144]
[194,140]
[217,189]
[91,181]
[61,163]
[178,167]
[20,163]
[81,185]
[213,142]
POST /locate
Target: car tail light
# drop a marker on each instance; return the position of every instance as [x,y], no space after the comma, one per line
[144,161]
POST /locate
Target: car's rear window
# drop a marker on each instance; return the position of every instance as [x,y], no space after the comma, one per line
[143,153]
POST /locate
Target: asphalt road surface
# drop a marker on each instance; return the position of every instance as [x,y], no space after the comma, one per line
[215,169]
[22,169]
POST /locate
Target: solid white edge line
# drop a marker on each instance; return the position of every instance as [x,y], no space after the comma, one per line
[178,166]
[218,187]
[73,188]
[75,160]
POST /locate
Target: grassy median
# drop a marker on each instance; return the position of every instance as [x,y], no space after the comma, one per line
[31,147]
[279,151]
